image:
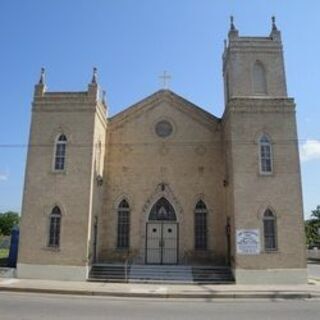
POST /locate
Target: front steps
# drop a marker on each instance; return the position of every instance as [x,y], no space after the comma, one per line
[161,274]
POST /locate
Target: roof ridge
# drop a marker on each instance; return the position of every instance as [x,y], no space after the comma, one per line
[158,94]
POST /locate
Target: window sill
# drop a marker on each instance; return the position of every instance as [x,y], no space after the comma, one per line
[58,172]
[275,251]
[122,250]
[52,249]
[266,174]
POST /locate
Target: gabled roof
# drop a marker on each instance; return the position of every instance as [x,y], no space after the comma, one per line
[155,99]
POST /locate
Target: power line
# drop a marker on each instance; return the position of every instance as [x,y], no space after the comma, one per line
[160,143]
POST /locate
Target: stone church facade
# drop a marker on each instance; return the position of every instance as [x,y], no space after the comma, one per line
[166,182]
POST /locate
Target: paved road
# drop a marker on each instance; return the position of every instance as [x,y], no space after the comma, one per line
[20,306]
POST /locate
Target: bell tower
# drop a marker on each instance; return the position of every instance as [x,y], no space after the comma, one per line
[63,183]
[262,161]
[253,66]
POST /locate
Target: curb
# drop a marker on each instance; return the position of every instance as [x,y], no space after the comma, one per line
[215,295]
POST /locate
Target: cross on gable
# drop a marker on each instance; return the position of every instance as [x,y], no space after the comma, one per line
[165,78]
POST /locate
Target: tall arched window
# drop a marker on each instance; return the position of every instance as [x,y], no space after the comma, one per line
[123,225]
[60,153]
[269,231]
[265,150]
[259,79]
[200,226]
[54,227]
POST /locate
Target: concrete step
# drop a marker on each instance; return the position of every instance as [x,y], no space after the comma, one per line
[160,274]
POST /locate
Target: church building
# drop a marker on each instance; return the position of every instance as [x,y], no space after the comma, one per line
[165,182]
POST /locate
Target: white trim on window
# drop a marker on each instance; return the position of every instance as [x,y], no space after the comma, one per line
[265,155]
[59,153]
[270,238]
[201,226]
[54,232]
[123,225]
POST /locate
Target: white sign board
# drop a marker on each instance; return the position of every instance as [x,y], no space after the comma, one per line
[248,241]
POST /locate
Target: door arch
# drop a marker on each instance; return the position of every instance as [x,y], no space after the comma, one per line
[162,234]
[162,210]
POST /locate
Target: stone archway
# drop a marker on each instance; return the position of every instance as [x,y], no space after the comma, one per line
[162,190]
[162,234]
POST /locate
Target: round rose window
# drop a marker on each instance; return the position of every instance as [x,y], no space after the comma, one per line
[164,128]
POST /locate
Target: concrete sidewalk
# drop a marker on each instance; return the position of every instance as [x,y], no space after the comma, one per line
[311,290]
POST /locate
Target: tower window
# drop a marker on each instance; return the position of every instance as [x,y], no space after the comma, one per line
[200,226]
[123,225]
[265,155]
[269,230]
[60,153]
[259,79]
[54,228]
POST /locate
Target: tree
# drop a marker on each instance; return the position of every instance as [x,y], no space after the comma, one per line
[7,221]
[316,213]
[312,228]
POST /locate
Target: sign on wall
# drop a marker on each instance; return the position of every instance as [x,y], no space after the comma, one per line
[248,241]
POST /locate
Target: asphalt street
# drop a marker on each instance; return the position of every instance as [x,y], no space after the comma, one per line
[20,306]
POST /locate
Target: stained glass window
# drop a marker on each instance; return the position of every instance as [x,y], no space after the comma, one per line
[60,153]
[123,225]
[162,210]
[265,155]
[200,226]
[269,230]
[54,227]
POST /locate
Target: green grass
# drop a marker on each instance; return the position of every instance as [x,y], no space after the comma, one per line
[4,253]
[3,257]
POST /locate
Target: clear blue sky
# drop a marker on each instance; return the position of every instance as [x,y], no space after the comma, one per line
[131,42]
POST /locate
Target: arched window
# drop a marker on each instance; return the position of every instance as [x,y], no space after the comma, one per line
[269,231]
[54,227]
[200,226]
[123,225]
[60,153]
[162,210]
[265,151]
[259,79]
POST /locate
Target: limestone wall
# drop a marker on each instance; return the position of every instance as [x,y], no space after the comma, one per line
[73,115]
[189,163]
[279,191]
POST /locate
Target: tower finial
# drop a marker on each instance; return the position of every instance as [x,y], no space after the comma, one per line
[94,76]
[42,76]
[232,26]
[274,26]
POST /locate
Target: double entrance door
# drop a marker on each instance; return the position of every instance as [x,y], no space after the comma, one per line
[162,243]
